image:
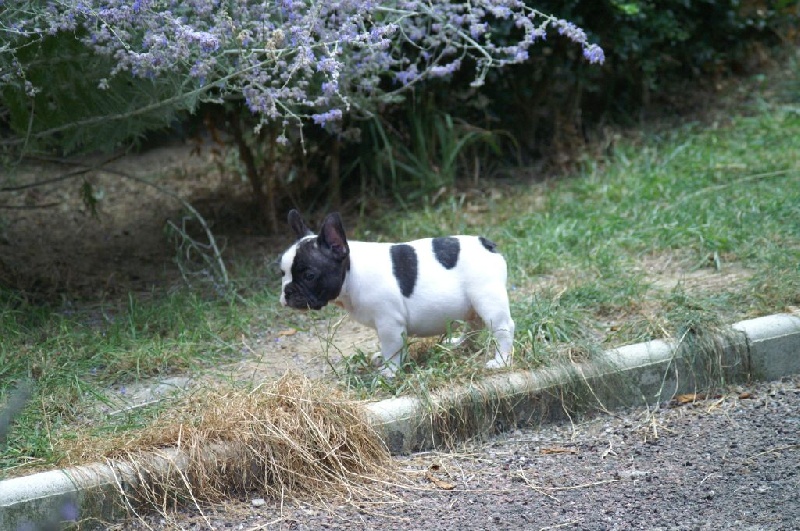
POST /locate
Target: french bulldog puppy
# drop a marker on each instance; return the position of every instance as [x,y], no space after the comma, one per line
[415,288]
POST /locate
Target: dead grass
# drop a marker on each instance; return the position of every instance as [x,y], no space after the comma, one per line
[289,439]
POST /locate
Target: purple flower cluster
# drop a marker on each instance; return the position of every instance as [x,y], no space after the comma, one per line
[289,59]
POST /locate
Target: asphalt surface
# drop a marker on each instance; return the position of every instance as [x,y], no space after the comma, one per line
[730,461]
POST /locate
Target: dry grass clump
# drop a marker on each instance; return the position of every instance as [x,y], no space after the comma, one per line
[289,438]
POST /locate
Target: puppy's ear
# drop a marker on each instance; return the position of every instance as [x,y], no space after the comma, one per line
[332,236]
[299,226]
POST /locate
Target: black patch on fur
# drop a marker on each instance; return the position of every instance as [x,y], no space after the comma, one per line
[446,251]
[404,267]
[489,245]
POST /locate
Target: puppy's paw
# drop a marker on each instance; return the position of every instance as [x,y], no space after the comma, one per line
[499,362]
[376,360]
[388,370]
[454,342]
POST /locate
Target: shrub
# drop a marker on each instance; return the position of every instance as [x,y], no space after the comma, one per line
[95,74]
[72,71]
[654,51]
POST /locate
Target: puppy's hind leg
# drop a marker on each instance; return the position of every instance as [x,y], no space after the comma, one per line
[495,313]
[504,353]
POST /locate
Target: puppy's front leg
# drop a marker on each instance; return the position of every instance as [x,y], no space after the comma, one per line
[392,338]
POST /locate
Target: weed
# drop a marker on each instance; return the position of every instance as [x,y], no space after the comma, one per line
[424,160]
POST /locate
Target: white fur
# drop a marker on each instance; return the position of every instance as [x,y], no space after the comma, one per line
[286,268]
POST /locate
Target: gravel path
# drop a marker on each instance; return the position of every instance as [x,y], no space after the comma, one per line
[726,462]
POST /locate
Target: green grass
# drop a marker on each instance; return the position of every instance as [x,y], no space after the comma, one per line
[75,356]
[686,229]
[679,230]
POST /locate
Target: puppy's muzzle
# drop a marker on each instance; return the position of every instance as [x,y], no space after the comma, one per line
[294,298]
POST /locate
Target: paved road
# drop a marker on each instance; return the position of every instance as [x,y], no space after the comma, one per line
[727,462]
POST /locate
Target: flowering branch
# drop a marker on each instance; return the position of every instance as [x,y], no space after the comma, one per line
[289,61]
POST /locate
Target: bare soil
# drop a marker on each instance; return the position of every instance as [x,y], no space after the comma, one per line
[727,462]
[267,355]
[54,246]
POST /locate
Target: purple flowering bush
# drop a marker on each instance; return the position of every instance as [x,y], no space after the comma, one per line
[70,66]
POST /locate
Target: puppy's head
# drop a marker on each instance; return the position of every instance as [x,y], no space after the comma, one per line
[314,267]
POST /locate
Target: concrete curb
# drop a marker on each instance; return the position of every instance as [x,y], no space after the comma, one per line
[642,374]
[645,373]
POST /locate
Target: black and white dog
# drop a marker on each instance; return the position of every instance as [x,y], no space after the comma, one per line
[416,288]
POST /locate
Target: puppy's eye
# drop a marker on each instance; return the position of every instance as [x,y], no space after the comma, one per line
[309,276]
